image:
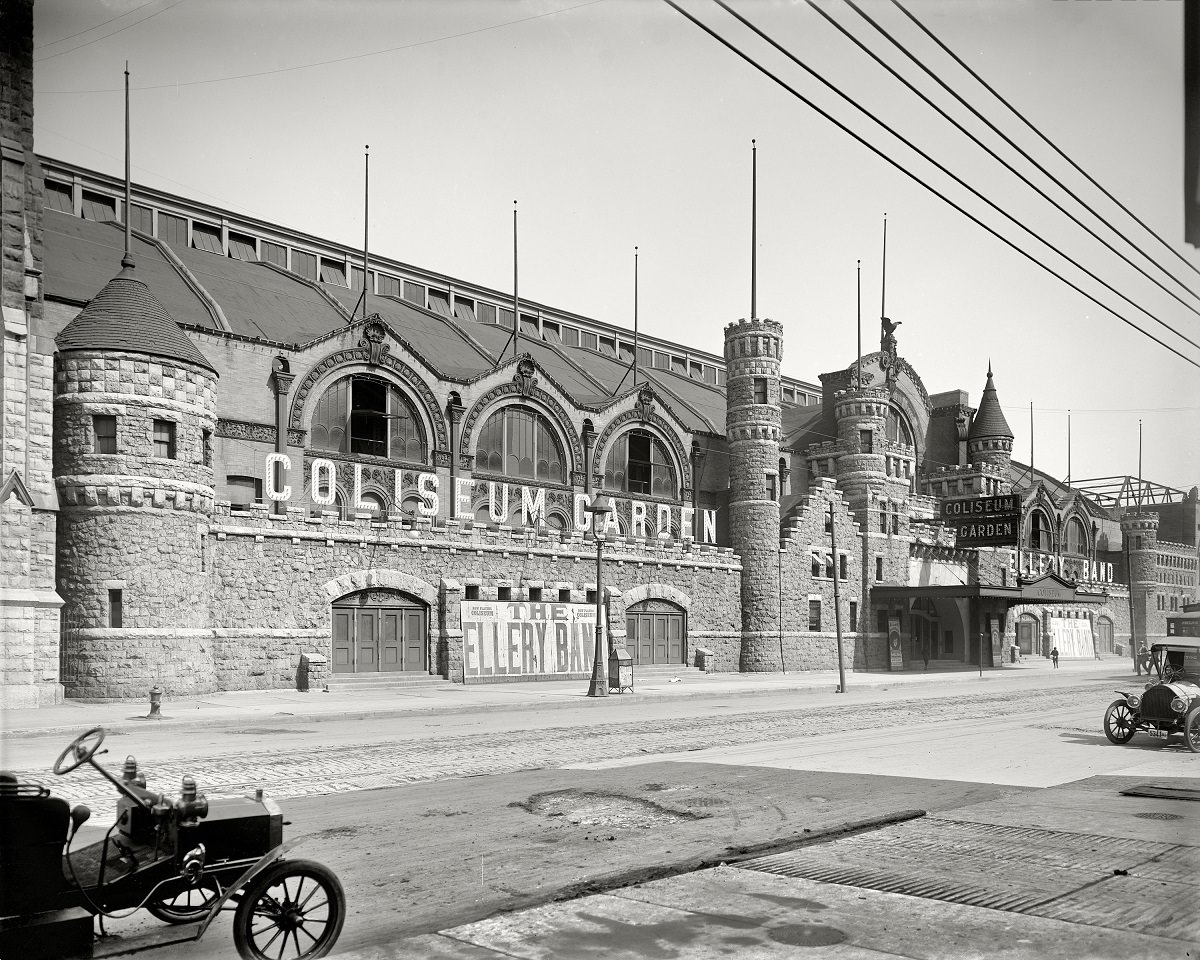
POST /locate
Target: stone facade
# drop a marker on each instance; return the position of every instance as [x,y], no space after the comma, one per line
[29,605]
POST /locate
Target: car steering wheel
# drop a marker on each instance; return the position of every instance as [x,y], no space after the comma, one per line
[81,749]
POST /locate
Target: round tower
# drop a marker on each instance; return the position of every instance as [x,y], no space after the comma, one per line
[752,428]
[990,439]
[1139,535]
[135,413]
[861,417]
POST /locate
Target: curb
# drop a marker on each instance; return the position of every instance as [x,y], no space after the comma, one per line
[886,681]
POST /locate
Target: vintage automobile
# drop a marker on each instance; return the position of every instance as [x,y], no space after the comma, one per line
[1168,705]
[183,860]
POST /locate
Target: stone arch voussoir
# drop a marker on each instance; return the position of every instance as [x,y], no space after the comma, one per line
[386,579]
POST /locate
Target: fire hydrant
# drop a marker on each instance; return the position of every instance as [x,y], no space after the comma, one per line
[155,703]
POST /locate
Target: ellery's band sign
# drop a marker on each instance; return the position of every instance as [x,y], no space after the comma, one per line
[645,519]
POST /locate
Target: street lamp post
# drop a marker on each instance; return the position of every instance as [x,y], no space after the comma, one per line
[600,507]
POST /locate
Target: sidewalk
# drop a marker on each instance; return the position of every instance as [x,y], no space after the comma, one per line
[216,709]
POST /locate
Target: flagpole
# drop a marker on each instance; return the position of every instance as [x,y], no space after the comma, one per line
[635,316]
[1068,446]
[858,308]
[366,209]
[1032,472]
[883,275]
[127,259]
[753,230]
[516,301]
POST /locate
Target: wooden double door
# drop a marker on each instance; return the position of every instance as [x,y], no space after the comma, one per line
[655,633]
[379,632]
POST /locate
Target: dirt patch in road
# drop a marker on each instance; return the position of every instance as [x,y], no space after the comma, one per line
[606,810]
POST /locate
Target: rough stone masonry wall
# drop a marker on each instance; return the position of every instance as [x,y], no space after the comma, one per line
[29,623]
[272,581]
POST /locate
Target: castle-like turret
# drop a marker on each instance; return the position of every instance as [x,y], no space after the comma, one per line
[134,405]
[752,428]
[990,439]
[1139,533]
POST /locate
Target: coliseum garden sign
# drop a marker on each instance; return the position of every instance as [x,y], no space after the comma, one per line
[645,519]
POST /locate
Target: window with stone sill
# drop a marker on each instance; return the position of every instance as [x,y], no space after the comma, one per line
[814,615]
[853,616]
[472,592]
[104,432]
[164,439]
[638,463]
[503,593]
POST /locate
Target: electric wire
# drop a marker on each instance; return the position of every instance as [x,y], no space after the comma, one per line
[883,155]
[1020,116]
[127,26]
[97,26]
[1008,166]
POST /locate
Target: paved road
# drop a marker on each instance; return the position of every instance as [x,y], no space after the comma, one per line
[299,760]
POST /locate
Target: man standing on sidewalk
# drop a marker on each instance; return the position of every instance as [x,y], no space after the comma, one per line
[1054,657]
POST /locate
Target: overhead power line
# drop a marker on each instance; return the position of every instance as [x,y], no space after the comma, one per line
[1008,166]
[1020,116]
[953,176]
[113,33]
[883,155]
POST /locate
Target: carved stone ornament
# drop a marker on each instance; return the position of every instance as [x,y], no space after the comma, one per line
[372,339]
[524,377]
[644,405]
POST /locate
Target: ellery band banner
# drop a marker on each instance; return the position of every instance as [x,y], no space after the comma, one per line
[534,640]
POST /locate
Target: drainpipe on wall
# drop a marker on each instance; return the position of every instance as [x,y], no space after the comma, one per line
[281,381]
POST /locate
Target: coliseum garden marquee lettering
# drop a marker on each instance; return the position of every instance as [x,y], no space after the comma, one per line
[645,519]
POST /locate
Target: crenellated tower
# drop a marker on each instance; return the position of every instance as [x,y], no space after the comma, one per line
[135,413]
[1139,535]
[752,428]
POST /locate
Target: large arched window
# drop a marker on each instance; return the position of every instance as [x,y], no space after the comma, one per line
[1040,535]
[638,463]
[1076,542]
[519,442]
[361,414]
[897,428]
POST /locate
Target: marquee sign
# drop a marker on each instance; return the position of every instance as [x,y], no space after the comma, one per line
[645,519]
[984,521]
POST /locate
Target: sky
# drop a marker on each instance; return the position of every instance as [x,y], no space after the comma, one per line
[620,123]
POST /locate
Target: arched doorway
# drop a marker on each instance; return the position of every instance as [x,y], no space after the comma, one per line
[1027,634]
[1104,636]
[380,631]
[656,632]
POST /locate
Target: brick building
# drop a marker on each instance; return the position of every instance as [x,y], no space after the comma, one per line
[258,468]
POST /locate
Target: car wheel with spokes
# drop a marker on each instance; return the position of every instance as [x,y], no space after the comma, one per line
[293,910]
[187,905]
[1119,725]
[1191,730]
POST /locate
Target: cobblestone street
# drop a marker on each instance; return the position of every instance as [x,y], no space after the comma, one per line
[402,754]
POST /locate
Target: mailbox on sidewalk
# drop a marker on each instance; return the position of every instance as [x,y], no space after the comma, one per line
[620,671]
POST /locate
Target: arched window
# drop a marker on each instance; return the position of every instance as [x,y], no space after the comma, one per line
[897,428]
[519,442]
[361,414]
[638,463]
[1040,537]
[1076,538]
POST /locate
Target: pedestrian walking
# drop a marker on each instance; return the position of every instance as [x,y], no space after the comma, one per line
[1054,657]
[1143,660]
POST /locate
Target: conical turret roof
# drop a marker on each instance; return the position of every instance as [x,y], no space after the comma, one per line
[125,315]
[989,419]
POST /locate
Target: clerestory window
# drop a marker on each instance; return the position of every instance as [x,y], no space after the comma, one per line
[367,415]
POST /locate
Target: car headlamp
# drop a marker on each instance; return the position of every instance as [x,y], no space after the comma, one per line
[1179,705]
[1134,701]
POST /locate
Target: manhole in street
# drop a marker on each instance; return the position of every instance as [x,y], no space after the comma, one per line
[610,810]
[1155,815]
[807,935]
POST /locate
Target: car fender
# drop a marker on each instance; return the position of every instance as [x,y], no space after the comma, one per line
[250,873]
